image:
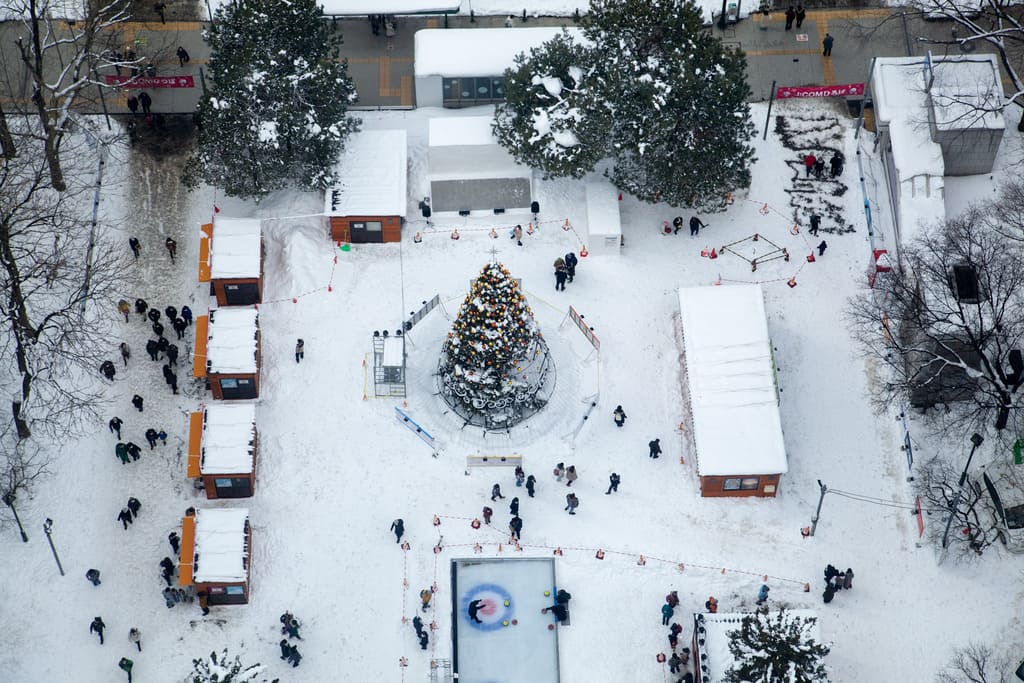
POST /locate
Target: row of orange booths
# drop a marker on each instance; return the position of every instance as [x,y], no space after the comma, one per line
[216,543]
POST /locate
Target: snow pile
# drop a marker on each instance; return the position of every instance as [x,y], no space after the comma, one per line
[229,434]
[557,118]
[221,546]
[236,251]
[731,377]
[967,93]
[232,343]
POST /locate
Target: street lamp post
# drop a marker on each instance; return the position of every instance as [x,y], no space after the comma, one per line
[976,440]
[48,530]
[8,499]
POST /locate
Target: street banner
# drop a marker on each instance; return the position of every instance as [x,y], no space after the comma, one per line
[844,90]
[143,82]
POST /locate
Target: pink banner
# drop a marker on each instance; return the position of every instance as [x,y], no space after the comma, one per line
[152,81]
[820,91]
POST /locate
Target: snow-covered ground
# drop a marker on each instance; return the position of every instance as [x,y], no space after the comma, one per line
[335,467]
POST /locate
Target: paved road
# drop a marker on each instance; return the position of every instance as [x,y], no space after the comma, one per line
[383,69]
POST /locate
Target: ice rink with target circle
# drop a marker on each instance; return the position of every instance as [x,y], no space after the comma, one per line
[511,640]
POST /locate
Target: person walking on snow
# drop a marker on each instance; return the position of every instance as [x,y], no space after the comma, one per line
[613,483]
[121,451]
[417,624]
[124,308]
[300,350]
[172,247]
[175,541]
[137,402]
[125,517]
[836,164]
[425,595]
[424,640]
[673,663]
[570,475]
[134,505]
[496,493]
[677,225]
[186,315]
[711,604]
[126,353]
[513,508]
[809,161]
[140,307]
[531,484]
[487,512]
[672,599]
[815,224]
[848,579]
[515,528]
[115,425]
[517,235]
[133,242]
[819,168]
[560,274]
[108,370]
[666,613]
[179,326]
[520,475]
[286,649]
[571,503]
[655,448]
[619,416]
[570,265]
[822,247]
[94,576]
[398,526]
[695,226]
[97,627]
[559,471]
[151,438]
[167,566]
[762,595]
[135,636]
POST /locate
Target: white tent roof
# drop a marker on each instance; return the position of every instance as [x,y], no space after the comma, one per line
[729,367]
[357,7]
[229,433]
[372,174]
[220,545]
[457,52]
[236,248]
[231,347]
[716,639]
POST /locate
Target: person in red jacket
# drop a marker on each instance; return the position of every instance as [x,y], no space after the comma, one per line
[809,161]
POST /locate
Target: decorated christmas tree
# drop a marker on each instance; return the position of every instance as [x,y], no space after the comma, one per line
[495,369]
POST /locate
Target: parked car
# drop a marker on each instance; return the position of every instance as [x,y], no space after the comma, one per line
[1005,485]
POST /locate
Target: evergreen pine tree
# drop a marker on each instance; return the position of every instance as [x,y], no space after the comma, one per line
[275,111]
[549,120]
[776,649]
[220,669]
[495,362]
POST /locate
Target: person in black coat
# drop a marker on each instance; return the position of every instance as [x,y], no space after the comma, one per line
[172,354]
[133,450]
[108,370]
[146,101]
[175,542]
[619,416]
[513,508]
[126,353]
[140,307]
[655,448]
[677,223]
[133,242]
[137,402]
[815,224]
[158,329]
[151,438]
[474,607]
[531,484]
[286,650]
[695,226]
[790,16]
[398,526]
[179,326]
[115,426]
[162,344]
[152,350]
[125,517]
[570,265]
[171,312]
[134,506]
[153,315]
[167,569]
[836,164]
[186,315]
[97,627]
[516,527]
[613,483]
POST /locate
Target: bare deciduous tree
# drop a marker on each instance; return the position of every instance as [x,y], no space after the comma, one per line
[949,324]
[975,663]
[974,526]
[52,323]
[61,58]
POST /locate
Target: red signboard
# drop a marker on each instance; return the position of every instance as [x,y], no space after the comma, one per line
[152,81]
[820,91]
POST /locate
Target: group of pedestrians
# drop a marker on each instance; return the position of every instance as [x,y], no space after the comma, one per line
[836,581]
[290,629]
[159,347]
[816,165]
[565,270]
[680,657]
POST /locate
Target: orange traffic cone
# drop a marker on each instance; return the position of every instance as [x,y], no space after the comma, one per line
[600,554]
[558,551]
[713,253]
[583,252]
[566,226]
[810,258]
[529,228]
[494,234]
[641,562]
[795,230]
[417,238]
[792,281]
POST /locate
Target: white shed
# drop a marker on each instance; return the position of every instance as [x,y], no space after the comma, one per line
[604,227]
[465,67]
[470,171]
[729,368]
[369,200]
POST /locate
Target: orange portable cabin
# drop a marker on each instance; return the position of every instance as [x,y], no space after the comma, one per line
[228,352]
[231,260]
[735,428]
[222,443]
[369,201]
[216,546]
